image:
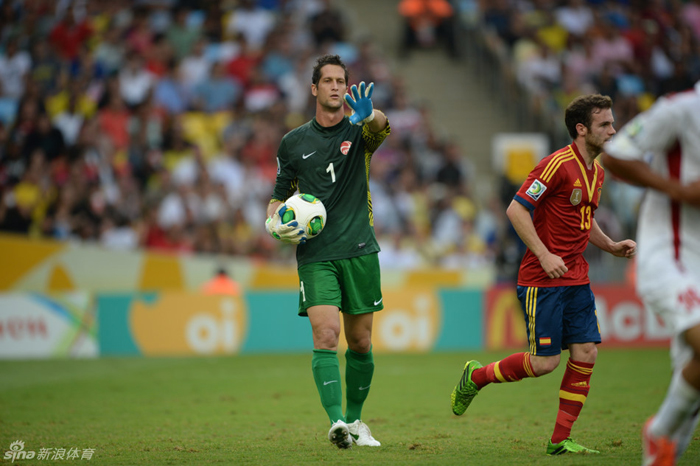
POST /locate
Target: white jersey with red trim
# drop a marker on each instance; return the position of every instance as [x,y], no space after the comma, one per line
[668,234]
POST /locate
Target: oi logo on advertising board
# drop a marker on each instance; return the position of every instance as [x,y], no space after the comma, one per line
[410,321]
[183,323]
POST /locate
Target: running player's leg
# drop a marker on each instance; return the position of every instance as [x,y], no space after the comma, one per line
[581,334]
[574,389]
[543,322]
[679,304]
[684,433]
[677,417]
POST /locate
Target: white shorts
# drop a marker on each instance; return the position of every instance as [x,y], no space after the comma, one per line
[675,298]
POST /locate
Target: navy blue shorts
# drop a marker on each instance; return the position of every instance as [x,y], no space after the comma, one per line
[558,316]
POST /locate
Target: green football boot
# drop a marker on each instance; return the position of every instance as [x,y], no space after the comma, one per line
[567,446]
[466,390]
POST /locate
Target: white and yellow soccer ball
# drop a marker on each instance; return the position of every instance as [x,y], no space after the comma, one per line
[308,211]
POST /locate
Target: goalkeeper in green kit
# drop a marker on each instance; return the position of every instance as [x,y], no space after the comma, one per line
[329,158]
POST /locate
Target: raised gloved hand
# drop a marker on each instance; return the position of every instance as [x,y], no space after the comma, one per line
[361,104]
[289,232]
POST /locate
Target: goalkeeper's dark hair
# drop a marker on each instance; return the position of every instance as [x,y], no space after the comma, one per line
[581,110]
[327,60]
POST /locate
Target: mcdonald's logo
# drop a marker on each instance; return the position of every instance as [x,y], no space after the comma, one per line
[505,324]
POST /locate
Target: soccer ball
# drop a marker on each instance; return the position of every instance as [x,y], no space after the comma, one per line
[309,211]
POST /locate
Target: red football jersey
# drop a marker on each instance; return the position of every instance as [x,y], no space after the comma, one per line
[562,195]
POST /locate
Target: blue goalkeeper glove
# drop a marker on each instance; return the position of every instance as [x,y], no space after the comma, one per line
[289,232]
[361,104]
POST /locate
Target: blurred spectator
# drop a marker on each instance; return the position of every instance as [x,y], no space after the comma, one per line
[575,16]
[406,120]
[110,52]
[14,66]
[260,93]
[425,23]
[44,137]
[69,36]
[500,19]
[551,33]
[679,81]
[327,25]
[451,172]
[114,121]
[279,59]
[46,67]
[139,36]
[116,232]
[690,13]
[181,36]
[135,82]
[221,284]
[170,92]
[242,66]
[8,109]
[612,50]
[540,72]
[194,67]
[213,28]
[251,21]
[158,56]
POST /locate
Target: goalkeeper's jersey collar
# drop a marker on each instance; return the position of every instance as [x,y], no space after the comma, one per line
[328,129]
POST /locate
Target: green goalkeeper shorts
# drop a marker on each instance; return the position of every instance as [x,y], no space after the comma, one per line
[352,285]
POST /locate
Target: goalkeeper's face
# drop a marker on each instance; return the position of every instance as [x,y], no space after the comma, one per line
[331,88]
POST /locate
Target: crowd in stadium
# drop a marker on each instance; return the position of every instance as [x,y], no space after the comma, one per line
[155,123]
[632,51]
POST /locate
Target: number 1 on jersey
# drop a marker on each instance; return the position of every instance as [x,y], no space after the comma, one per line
[330,169]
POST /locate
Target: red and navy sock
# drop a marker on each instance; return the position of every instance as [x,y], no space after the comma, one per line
[572,395]
[511,369]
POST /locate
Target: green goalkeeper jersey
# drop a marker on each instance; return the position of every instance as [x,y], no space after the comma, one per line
[333,165]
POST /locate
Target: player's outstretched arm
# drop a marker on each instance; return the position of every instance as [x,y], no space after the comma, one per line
[378,123]
[639,173]
[689,193]
[519,216]
[636,172]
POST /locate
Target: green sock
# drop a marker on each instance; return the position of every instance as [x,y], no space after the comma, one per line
[358,376]
[326,369]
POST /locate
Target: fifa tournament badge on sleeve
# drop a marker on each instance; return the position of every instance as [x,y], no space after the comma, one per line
[536,189]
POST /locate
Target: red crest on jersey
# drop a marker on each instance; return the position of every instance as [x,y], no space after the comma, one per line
[345,147]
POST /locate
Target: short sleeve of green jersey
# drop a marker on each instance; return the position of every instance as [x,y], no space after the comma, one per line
[286,182]
[374,140]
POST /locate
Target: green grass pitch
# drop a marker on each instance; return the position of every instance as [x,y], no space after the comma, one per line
[264,410]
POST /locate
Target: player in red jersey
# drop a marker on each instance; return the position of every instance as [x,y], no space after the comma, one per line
[553,213]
